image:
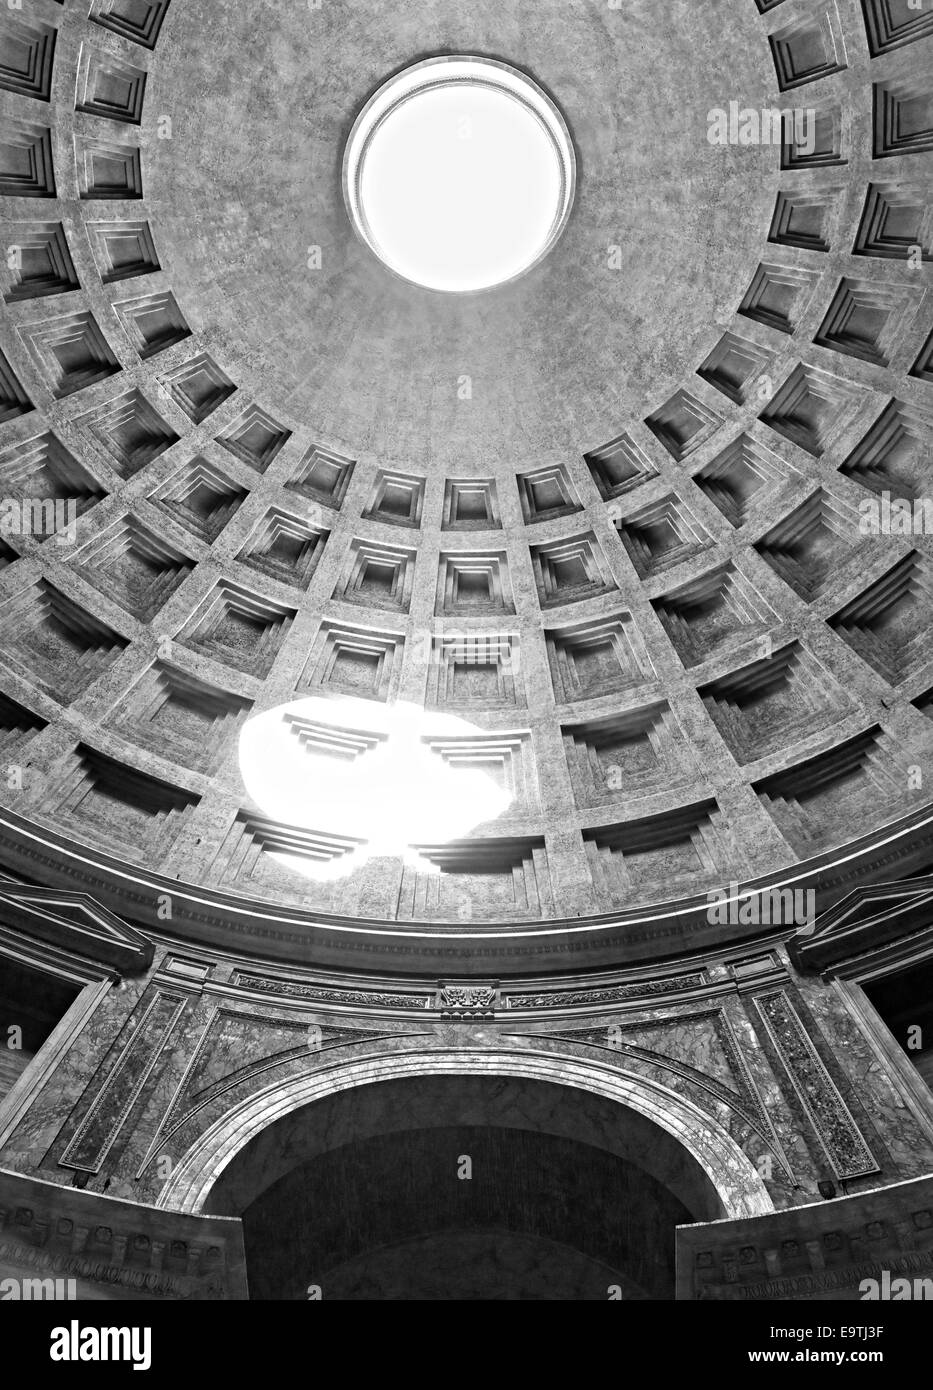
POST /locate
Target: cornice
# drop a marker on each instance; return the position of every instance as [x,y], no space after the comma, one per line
[138,901]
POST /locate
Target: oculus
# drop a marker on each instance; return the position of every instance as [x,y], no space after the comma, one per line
[459,174]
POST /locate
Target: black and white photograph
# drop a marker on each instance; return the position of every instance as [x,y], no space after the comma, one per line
[466,674]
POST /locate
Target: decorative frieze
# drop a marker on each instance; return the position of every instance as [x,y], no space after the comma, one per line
[323,994]
[614,994]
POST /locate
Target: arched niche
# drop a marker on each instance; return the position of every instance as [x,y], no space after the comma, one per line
[652,1161]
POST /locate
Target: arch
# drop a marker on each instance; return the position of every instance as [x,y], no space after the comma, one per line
[737,1183]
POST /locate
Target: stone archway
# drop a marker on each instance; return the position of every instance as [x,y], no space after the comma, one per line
[266,1136]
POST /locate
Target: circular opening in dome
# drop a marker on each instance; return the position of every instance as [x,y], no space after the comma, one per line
[459,174]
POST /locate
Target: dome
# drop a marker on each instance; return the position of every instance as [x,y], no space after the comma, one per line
[466,544]
[614,516]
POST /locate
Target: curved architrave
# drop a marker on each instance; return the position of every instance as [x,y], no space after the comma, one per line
[230,920]
[735,1179]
